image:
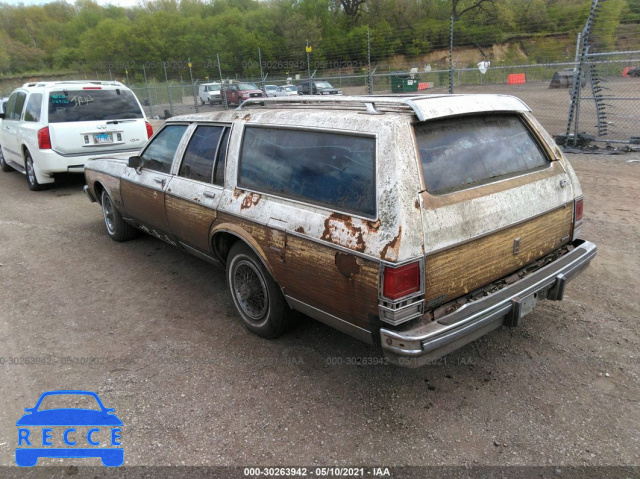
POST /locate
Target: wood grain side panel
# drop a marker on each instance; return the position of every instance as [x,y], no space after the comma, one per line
[190,222]
[337,283]
[459,270]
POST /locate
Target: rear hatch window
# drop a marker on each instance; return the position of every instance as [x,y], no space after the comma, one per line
[463,152]
[69,105]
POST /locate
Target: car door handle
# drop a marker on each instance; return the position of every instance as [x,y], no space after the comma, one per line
[209,194]
[159,180]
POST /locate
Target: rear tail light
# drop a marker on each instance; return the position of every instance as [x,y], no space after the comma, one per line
[402,281]
[149,129]
[92,88]
[578,208]
[44,140]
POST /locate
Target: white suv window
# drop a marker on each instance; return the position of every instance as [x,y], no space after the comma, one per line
[34,106]
[67,105]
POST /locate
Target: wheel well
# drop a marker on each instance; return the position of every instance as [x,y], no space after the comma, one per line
[97,188]
[221,244]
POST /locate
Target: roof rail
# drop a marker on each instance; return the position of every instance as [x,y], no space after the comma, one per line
[370,104]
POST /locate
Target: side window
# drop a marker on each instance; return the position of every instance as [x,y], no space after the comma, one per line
[158,156]
[9,106]
[17,111]
[200,156]
[328,169]
[34,106]
[218,177]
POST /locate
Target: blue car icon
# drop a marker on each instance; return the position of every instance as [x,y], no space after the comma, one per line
[28,452]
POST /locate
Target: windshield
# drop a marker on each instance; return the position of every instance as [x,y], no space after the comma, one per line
[91,105]
[214,87]
[247,86]
[323,84]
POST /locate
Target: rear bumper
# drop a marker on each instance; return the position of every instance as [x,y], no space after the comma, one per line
[427,342]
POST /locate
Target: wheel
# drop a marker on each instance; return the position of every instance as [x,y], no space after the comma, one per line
[3,165]
[257,297]
[117,228]
[201,102]
[31,174]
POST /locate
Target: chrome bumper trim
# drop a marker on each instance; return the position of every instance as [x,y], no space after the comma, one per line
[424,343]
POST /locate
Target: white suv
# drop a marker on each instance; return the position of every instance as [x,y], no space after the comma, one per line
[55,127]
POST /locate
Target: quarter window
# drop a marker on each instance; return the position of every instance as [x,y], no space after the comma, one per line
[159,154]
[201,154]
[34,105]
[327,169]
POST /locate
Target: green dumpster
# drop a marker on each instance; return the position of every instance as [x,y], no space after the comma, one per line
[402,82]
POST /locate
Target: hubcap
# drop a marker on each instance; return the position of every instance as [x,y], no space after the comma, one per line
[107,209]
[30,173]
[250,290]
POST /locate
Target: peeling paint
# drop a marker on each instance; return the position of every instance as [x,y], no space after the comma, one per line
[339,229]
[300,230]
[390,251]
[250,200]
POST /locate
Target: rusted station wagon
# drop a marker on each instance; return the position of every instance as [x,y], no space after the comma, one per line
[417,223]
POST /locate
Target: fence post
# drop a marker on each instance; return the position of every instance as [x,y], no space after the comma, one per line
[369,76]
[224,90]
[166,78]
[451,56]
[144,71]
[193,87]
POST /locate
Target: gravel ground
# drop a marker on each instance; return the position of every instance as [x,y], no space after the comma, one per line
[153,331]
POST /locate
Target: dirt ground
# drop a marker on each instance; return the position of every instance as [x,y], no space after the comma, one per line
[153,331]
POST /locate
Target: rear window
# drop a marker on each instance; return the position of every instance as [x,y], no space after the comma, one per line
[328,169]
[464,152]
[91,105]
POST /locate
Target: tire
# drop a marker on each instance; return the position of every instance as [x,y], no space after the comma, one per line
[31,174]
[201,102]
[258,299]
[3,165]
[117,228]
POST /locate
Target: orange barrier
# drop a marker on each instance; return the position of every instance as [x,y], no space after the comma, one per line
[423,86]
[625,72]
[516,79]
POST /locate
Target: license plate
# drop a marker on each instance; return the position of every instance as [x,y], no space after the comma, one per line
[103,138]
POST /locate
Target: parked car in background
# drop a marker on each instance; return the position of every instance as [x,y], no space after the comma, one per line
[317,88]
[318,206]
[270,90]
[286,90]
[55,127]
[237,92]
[210,93]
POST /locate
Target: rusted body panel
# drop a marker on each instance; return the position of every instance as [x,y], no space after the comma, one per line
[331,264]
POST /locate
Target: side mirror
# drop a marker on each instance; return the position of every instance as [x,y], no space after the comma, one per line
[134,162]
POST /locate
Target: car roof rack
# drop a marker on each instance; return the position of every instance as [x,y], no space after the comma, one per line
[369,104]
[73,82]
[423,106]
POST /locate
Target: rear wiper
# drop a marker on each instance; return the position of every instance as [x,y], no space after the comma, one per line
[115,122]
